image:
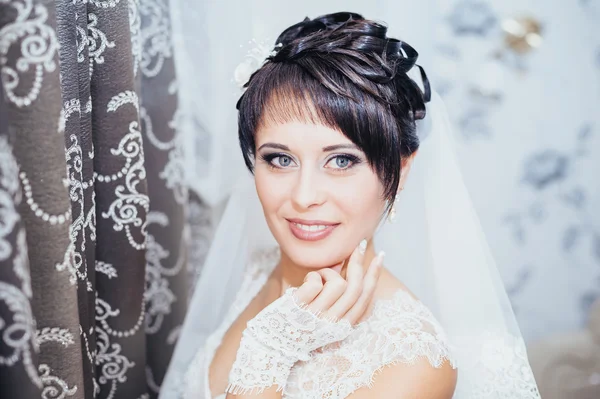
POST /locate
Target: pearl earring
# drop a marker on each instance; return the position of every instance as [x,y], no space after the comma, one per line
[392,215]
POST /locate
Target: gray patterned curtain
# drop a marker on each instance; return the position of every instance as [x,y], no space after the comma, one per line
[93,233]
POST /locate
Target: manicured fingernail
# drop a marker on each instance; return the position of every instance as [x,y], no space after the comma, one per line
[380,257]
[362,247]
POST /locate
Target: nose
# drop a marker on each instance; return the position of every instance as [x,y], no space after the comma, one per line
[307,191]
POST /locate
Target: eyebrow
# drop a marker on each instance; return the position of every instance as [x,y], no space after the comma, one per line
[339,147]
[274,145]
[329,148]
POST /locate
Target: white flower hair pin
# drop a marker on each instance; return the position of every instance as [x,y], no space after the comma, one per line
[255,58]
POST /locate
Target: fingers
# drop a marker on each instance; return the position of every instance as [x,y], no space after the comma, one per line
[312,286]
[369,283]
[332,290]
[354,277]
[355,270]
[327,293]
[359,253]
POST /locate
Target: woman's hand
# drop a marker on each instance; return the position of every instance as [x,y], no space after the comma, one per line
[326,293]
[320,312]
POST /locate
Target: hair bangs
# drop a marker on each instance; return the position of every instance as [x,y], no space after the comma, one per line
[286,92]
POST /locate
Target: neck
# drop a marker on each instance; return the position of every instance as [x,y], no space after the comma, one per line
[289,274]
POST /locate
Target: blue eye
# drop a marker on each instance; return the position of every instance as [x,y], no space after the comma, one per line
[278,160]
[284,160]
[342,162]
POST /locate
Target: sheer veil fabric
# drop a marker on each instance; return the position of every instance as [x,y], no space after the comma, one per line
[436,247]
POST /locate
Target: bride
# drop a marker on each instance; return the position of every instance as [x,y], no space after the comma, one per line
[303,306]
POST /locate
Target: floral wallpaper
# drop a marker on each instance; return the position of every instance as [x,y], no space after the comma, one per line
[522,83]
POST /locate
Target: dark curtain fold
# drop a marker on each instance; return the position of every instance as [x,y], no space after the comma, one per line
[94,220]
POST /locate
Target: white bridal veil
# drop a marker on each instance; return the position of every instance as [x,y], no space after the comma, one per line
[436,247]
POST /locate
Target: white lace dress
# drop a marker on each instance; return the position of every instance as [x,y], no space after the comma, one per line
[400,329]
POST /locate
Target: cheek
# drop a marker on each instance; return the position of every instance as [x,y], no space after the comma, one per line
[361,202]
[266,190]
[272,192]
[355,201]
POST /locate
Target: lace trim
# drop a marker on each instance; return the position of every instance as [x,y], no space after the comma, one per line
[490,366]
[400,330]
[257,271]
[273,341]
[412,329]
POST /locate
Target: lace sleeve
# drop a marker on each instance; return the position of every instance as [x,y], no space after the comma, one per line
[491,365]
[400,330]
[409,331]
[274,340]
[194,383]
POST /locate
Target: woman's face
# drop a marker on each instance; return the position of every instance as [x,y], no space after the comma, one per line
[319,195]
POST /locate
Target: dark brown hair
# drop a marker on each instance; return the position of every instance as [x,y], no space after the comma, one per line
[342,71]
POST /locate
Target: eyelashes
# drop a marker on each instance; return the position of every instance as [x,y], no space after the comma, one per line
[273,159]
[352,160]
[335,162]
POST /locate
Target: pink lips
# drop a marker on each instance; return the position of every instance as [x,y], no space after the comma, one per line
[320,231]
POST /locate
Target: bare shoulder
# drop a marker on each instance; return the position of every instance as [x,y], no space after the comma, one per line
[388,284]
[407,381]
[423,374]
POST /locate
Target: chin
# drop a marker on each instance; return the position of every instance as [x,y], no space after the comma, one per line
[315,254]
[310,259]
